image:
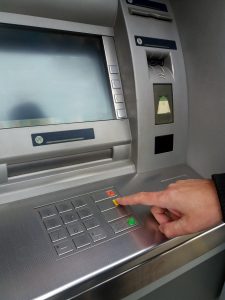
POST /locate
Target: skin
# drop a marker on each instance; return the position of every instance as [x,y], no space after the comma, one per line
[184,207]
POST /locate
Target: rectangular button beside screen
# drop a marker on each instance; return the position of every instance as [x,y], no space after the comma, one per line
[118,98]
[121,113]
[116,84]
[113,69]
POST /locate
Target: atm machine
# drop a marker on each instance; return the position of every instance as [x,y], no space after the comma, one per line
[94,106]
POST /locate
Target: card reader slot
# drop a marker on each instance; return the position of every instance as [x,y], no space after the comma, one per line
[150,14]
[57,162]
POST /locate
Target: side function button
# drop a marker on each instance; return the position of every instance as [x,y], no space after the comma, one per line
[47,211]
[84,212]
[69,217]
[106,204]
[91,223]
[52,223]
[120,106]
[100,195]
[75,228]
[64,206]
[97,234]
[121,113]
[118,98]
[81,201]
[116,84]
[116,213]
[64,247]
[82,240]
[124,224]
[113,69]
[58,235]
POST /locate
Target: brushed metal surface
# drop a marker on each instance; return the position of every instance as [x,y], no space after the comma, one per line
[30,270]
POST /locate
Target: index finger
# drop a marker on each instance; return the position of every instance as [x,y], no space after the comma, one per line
[145,198]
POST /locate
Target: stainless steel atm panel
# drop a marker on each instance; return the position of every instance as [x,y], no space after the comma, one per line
[62,233]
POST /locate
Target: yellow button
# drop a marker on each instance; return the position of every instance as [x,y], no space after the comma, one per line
[115,202]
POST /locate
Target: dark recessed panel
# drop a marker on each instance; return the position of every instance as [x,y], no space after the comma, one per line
[149,4]
[163,143]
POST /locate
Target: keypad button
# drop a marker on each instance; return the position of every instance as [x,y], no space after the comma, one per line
[100,195]
[123,224]
[97,234]
[82,240]
[106,204]
[47,211]
[91,223]
[81,201]
[115,213]
[64,207]
[69,217]
[58,235]
[52,223]
[75,228]
[64,247]
[84,212]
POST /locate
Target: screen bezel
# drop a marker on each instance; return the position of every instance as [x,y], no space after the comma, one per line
[17,143]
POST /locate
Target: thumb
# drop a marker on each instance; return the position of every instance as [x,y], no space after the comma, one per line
[174,228]
[146,198]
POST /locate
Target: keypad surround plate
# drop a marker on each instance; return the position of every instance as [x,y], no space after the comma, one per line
[78,223]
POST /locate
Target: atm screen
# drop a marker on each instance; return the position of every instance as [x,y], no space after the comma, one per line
[52,77]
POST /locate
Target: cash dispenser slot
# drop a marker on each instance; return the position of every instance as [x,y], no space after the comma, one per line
[58,162]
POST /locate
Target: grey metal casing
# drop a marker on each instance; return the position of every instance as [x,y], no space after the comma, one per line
[29,269]
[138,87]
[203,47]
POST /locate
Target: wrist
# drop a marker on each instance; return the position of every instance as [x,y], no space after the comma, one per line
[219,181]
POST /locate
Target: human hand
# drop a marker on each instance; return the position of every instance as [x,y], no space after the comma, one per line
[184,207]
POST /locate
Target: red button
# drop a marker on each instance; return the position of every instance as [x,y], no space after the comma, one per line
[110,193]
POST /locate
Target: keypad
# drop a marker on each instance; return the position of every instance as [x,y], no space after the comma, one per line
[84,221]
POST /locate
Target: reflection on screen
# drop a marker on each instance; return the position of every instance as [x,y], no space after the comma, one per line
[50,77]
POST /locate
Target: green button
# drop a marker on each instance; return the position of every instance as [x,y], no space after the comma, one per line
[131,221]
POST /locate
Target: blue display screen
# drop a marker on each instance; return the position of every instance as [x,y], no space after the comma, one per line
[52,77]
